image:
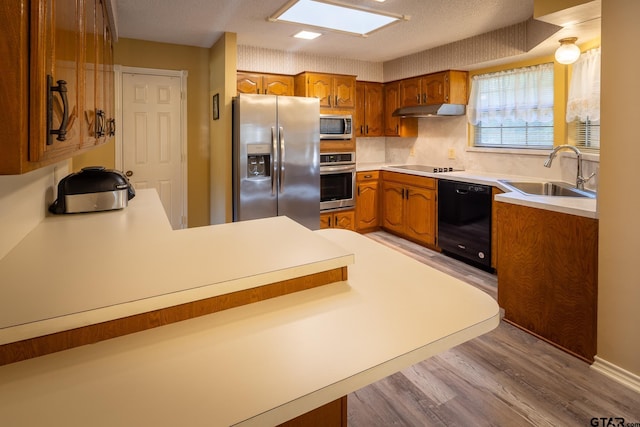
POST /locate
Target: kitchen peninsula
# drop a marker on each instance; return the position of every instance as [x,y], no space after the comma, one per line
[258,364]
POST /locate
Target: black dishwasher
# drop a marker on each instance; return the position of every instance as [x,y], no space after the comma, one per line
[464,222]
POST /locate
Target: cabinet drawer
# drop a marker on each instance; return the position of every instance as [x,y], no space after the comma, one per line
[405,178]
[368,176]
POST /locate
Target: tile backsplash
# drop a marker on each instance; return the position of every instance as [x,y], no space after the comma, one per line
[440,137]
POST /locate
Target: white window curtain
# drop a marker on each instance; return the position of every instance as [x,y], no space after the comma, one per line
[583,102]
[523,94]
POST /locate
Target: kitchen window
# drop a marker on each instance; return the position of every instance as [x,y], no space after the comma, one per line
[583,102]
[513,108]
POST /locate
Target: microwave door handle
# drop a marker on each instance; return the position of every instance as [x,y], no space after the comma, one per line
[274,161]
[282,159]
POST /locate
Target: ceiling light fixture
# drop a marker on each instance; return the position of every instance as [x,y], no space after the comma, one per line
[335,16]
[307,35]
[568,52]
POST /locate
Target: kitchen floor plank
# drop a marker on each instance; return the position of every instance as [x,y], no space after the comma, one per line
[506,377]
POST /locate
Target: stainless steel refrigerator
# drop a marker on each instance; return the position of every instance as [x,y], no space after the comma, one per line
[276,158]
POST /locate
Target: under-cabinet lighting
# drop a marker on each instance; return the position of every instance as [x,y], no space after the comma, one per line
[332,15]
[307,35]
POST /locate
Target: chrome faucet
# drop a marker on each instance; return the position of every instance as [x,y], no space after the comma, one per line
[580,180]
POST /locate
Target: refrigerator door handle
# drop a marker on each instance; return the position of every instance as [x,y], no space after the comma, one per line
[274,161]
[282,158]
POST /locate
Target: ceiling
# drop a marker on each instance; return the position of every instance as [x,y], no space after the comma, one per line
[432,23]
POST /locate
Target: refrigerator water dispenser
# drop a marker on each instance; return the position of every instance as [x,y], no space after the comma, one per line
[258,160]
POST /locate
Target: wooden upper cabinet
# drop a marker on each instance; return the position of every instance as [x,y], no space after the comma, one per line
[396,126]
[56,48]
[98,119]
[444,87]
[391,104]
[265,84]
[334,91]
[56,66]
[411,92]
[369,117]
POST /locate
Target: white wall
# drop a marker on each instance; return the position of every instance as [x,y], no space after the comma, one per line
[24,200]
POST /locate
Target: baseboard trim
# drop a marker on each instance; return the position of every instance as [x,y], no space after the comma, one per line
[616,373]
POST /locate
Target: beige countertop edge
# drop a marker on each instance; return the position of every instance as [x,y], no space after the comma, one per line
[330,393]
[104,314]
[146,282]
[569,205]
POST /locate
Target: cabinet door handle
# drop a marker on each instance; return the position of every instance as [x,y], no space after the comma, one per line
[424,98]
[99,124]
[62,90]
[368,176]
[329,222]
[111,127]
[367,129]
[336,103]
[358,190]
[418,98]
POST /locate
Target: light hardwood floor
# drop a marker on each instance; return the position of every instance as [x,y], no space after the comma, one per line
[503,378]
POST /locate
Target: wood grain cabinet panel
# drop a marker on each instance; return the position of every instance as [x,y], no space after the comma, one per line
[59,55]
[396,126]
[369,116]
[409,206]
[547,276]
[265,84]
[367,201]
[335,91]
[436,88]
[342,219]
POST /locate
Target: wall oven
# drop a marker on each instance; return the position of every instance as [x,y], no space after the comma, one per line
[337,180]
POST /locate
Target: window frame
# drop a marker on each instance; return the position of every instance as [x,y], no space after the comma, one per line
[560,78]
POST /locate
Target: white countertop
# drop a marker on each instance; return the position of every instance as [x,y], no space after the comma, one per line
[82,269]
[259,364]
[580,206]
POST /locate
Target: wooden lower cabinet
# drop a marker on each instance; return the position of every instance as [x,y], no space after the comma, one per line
[548,275]
[333,414]
[367,201]
[409,206]
[341,219]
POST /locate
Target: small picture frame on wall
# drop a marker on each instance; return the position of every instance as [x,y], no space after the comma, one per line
[216,106]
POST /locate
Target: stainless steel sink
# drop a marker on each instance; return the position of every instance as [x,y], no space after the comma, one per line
[545,188]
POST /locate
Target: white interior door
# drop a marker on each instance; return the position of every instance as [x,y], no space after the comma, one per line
[152,154]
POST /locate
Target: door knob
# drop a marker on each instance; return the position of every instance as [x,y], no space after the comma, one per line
[128,173]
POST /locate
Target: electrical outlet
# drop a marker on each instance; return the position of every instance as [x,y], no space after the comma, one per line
[412,152]
[452,153]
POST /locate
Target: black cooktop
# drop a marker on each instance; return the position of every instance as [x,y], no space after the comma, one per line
[430,169]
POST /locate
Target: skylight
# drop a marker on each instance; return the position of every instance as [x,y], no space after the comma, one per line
[334,16]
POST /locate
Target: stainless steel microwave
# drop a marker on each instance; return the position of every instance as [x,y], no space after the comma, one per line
[336,126]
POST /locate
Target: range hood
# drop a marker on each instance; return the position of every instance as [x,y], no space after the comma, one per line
[434,110]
